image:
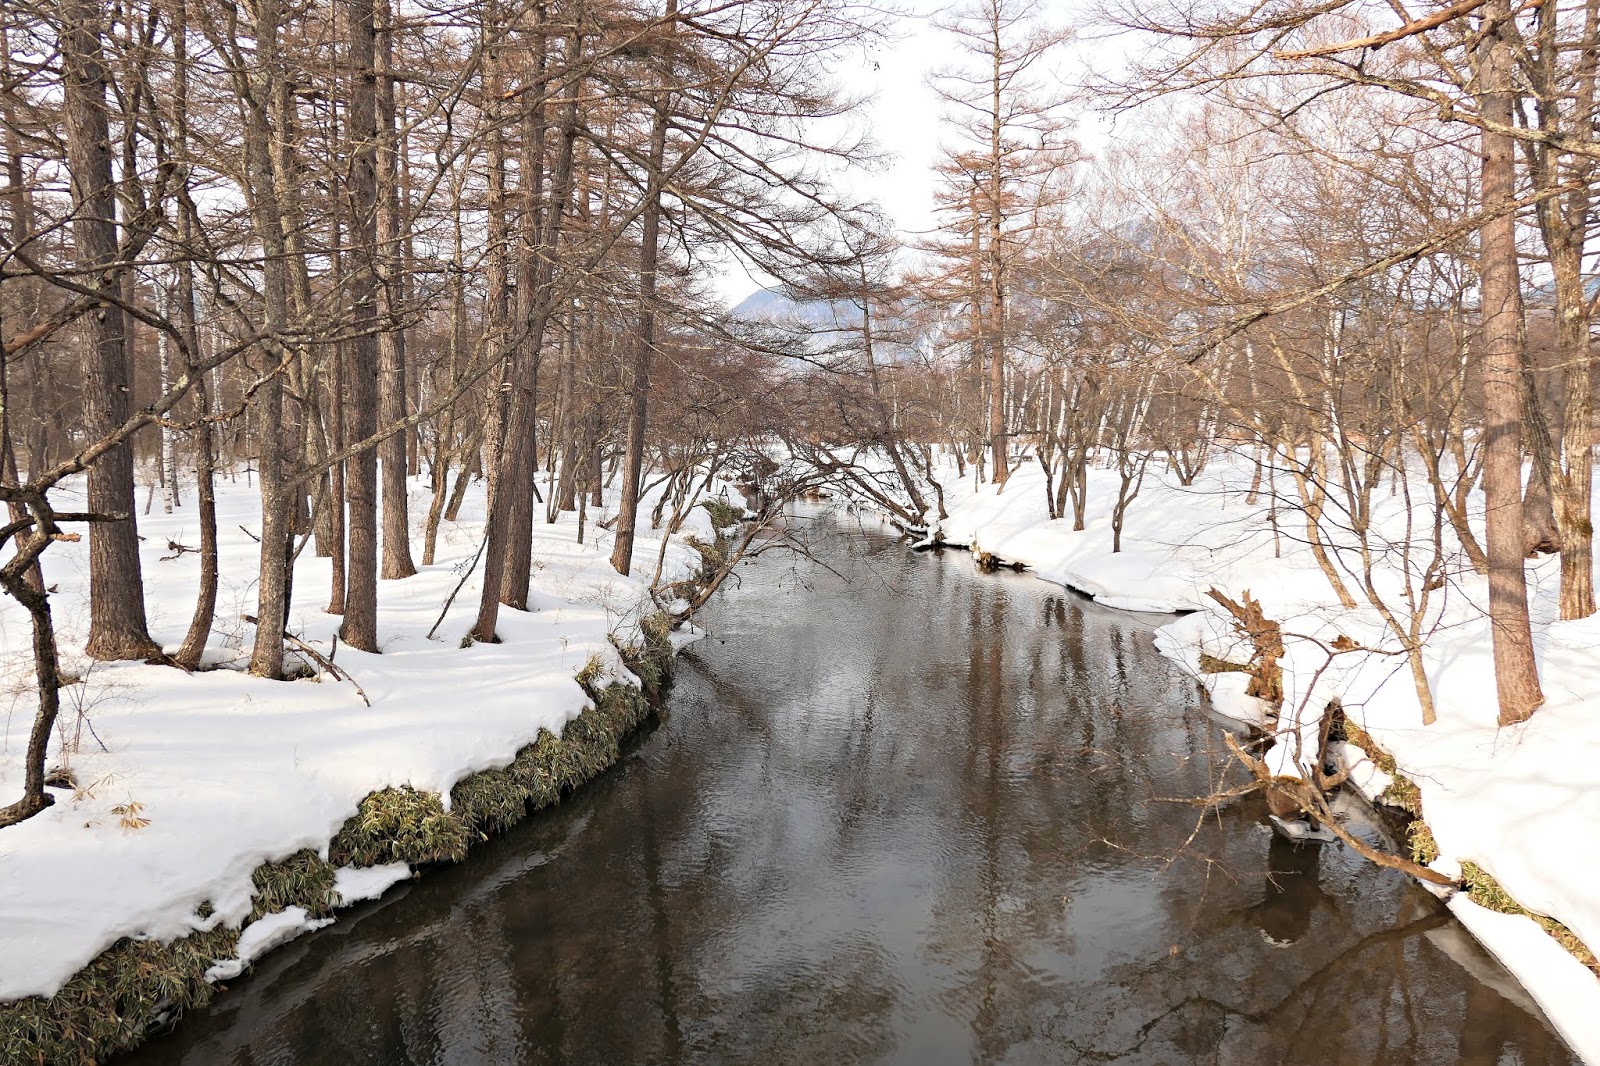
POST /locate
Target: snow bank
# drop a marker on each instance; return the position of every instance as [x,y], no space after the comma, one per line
[1521,802]
[188,782]
[1559,983]
[356,883]
[262,935]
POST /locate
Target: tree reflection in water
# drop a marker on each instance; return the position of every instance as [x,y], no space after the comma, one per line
[898,813]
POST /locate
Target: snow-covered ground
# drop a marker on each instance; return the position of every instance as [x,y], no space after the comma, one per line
[187,782]
[1521,802]
[226,771]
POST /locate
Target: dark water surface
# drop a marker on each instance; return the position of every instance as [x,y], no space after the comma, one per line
[896,811]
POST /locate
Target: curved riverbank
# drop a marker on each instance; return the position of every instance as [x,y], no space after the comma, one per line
[1502,806]
[209,817]
[894,812]
[136,986]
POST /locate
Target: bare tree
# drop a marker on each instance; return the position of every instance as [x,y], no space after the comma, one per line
[117,628]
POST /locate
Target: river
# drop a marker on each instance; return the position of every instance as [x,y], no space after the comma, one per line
[895,811]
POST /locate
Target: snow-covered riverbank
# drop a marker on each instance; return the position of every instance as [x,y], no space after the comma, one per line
[187,783]
[1518,803]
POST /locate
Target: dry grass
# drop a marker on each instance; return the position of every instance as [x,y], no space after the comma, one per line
[135,985]
[304,879]
[1423,847]
[1210,664]
[723,513]
[1481,888]
[110,1004]
[1485,891]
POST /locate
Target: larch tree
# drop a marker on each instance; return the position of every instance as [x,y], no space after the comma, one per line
[117,627]
[1005,109]
[359,404]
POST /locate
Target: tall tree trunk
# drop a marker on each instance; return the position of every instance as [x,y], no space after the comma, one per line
[192,651]
[392,216]
[19,231]
[1516,672]
[338,473]
[515,458]
[532,303]
[117,627]
[277,438]
[496,325]
[644,346]
[1563,222]
[998,447]
[360,628]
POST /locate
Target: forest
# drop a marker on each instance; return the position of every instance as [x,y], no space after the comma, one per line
[312,302]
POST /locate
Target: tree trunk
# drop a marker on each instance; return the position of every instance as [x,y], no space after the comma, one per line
[46,666]
[360,628]
[532,303]
[1574,481]
[1540,533]
[277,437]
[1516,672]
[644,348]
[193,648]
[393,463]
[117,627]
[515,458]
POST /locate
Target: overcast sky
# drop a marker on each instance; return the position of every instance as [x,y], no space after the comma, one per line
[904,118]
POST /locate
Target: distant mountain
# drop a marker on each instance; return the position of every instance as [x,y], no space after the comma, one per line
[827,324]
[775,307]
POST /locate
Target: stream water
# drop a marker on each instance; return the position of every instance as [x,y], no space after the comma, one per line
[895,811]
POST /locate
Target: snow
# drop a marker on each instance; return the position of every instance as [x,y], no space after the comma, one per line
[262,935]
[1522,802]
[230,771]
[1301,831]
[1365,777]
[356,883]
[1561,985]
[686,635]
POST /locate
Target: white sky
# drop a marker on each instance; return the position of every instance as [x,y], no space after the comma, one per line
[904,117]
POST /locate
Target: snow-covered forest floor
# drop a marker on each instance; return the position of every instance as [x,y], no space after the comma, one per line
[186,783]
[1519,803]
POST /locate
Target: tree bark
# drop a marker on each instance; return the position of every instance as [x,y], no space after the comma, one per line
[998,447]
[360,628]
[279,488]
[1516,672]
[192,651]
[46,665]
[644,347]
[515,456]
[532,304]
[393,463]
[117,626]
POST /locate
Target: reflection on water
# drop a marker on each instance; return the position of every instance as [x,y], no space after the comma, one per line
[897,812]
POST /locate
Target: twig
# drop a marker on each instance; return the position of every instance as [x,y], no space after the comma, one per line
[1400,33]
[320,659]
[437,622]
[177,550]
[249,534]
